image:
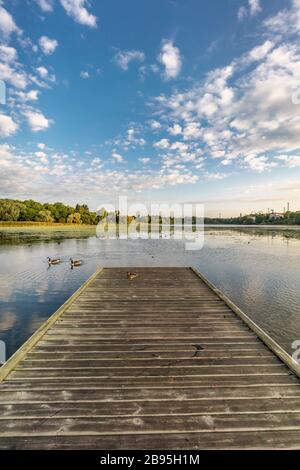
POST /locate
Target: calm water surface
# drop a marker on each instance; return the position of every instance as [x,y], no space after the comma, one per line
[259,269]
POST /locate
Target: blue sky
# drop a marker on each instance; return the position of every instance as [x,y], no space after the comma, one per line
[161,100]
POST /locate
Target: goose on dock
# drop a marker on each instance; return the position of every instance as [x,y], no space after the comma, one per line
[52,261]
[75,263]
[131,276]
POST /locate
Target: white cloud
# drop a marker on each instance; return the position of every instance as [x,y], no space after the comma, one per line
[84,74]
[253,9]
[155,125]
[260,52]
[133,139]
[242,115]
[45,5]
[36,120]
[7,24]
[286,21]
[32,95]
[48,45]
[170,58]
[176,129]
[11,75]
[7,126]
[242,13]
[44,74]
[42,157]
[41,146]
[144,160]
[192,131]
[77,9]
[162,144]
[117,157]
[214,176]
[259,164]
[8,54]
[291,161]
[124,58]
[42,71]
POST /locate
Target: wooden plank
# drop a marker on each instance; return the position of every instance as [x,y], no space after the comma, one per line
[65,409]
[119,426]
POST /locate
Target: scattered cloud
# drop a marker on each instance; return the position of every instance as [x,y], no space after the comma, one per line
[32,95]
[239,113]
[124,58]
[84,74]
[117,157]
[13,75]
[45,5]
[144,160]
[7,24]
[8,54]
[253,9]
[176,129]
[7,126]
[170,58]
[36,120]
[291,161]
[77,9]
[155,125]
[48,45]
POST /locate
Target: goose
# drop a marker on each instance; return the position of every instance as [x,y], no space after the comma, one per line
[52,261]
[75,263]
[131,276]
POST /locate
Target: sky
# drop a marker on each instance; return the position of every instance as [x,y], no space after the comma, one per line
[162,101]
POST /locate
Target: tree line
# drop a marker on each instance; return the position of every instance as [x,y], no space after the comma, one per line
[288,218]
[32,211]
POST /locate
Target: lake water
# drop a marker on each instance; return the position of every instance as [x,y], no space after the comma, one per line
[259,269]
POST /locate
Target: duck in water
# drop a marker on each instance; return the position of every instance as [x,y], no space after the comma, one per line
[75,263]
[52,261]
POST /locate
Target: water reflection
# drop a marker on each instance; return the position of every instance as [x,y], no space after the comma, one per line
[257,268]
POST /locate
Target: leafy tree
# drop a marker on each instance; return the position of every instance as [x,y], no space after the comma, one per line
[9,210]
[74,218]
[45,216]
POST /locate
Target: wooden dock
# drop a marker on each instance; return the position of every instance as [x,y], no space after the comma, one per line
[161,362]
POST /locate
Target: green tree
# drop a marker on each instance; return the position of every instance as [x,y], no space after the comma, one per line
[45,216]
[74,218]
[9,210]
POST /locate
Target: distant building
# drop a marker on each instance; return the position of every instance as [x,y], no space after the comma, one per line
[276,216]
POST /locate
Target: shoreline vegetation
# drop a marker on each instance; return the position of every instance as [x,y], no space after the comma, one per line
[30,213]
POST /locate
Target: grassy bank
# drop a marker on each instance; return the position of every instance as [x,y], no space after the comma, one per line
[45,226]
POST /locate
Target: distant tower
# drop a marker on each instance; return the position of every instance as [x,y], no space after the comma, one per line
[288,207]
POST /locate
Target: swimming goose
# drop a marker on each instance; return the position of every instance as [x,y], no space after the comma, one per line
[75,263]
[52,261]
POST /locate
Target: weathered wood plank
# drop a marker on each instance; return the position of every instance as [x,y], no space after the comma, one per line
[171,407]
[254,439]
